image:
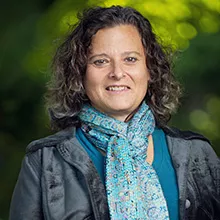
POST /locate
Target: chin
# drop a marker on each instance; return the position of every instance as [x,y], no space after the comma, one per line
[121,111]
[124,105]
[121,107]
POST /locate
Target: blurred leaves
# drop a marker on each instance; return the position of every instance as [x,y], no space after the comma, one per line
[30,32]
[176,22]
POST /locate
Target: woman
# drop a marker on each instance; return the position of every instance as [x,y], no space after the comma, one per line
[111,96]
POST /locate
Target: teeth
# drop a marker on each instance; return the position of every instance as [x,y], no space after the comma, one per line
[117,88]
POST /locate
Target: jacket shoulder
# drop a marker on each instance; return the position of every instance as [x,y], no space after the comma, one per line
[51,140]
[187,135]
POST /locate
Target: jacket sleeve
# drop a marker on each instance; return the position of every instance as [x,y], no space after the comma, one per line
[26,199]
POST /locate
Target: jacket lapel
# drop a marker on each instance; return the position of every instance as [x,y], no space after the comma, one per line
[180,153]
[75,156]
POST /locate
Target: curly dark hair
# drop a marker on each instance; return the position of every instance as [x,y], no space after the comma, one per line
[66,93]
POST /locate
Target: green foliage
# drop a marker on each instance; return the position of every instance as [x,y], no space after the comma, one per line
[34,29]
[198,69]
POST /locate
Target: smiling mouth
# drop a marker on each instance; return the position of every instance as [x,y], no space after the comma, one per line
[117,88]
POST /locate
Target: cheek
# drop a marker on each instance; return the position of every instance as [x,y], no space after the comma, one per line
[143,82]
[89,80]
[91,85]
[88,85]
[144,77]
[92,76]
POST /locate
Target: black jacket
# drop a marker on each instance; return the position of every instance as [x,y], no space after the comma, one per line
[58,181]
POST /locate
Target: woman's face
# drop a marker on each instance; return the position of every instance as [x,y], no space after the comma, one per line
[116,77]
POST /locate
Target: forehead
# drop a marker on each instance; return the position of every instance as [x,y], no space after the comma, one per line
[118,37]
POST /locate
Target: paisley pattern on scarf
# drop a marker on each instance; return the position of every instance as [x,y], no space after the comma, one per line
[133,188]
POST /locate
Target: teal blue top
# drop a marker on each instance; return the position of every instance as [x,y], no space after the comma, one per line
[162,164]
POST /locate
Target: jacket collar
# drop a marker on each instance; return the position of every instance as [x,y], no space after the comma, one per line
[187,135]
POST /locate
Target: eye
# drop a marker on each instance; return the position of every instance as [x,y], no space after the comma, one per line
[131,59]
[100,62]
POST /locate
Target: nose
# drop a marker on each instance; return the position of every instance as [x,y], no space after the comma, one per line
[116,71]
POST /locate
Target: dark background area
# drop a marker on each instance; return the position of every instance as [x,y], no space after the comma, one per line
[29,32]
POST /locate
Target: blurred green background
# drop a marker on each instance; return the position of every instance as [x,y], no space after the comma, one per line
[29,32]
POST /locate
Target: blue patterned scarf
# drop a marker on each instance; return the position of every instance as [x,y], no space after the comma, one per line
[133,189]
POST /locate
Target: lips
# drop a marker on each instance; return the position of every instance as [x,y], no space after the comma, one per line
[117,88]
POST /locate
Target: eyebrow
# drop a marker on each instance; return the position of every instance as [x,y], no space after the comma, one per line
[129,52]
[123,54]
[98,55]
